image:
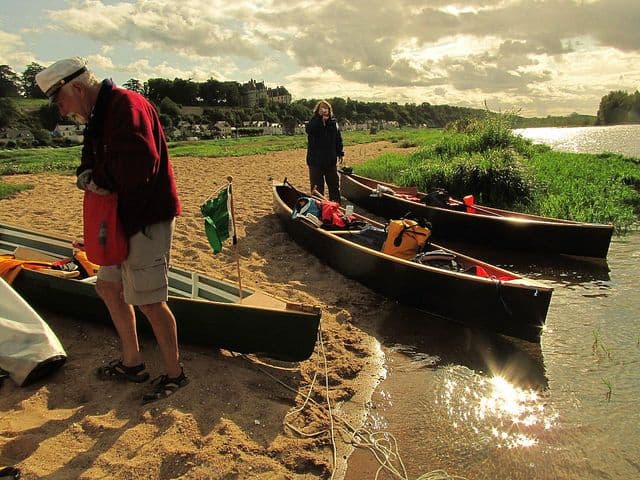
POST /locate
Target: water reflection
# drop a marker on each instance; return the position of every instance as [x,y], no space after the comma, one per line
[494,409]
[431,342]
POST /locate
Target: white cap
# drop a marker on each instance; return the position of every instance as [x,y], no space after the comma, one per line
[63,71]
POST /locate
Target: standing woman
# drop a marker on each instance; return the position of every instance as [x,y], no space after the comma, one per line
[324,148]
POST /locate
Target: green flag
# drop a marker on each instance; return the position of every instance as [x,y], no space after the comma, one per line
[218,222]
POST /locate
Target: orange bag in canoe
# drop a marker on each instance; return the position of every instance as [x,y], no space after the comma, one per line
[405,238]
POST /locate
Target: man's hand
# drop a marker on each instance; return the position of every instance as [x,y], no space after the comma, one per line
[96,189]
[83,179]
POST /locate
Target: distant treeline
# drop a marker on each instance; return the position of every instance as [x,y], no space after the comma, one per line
[223,101]
[619,107]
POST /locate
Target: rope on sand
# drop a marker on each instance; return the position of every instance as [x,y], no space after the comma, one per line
[383,445]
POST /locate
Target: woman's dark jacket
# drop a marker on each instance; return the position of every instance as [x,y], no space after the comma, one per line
[324,142]
[125,147]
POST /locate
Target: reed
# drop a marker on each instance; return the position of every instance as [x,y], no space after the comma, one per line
[599,346]
[609,391]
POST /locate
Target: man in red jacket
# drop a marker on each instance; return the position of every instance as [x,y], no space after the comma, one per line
[125,152]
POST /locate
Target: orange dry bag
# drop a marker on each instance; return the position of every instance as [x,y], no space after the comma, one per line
[104,238]
[405,238]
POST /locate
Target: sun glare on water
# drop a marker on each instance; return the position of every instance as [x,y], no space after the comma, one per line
[496,410]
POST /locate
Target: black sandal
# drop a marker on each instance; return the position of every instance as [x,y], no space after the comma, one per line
[165,386]
[10,472]
[115,370]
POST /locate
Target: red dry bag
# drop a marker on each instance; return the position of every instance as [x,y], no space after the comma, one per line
[104,238]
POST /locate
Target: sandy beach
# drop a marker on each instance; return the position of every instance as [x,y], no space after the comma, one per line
[232,421]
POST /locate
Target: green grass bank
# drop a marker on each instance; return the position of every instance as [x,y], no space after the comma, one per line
[482,157]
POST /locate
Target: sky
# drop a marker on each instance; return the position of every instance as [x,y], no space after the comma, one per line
[533,57]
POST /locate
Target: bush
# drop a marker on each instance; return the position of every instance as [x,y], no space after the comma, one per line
[497,177]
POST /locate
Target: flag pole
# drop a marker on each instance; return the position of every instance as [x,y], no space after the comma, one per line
[235,234]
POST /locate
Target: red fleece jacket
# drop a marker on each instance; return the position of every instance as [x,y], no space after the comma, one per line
[125,146]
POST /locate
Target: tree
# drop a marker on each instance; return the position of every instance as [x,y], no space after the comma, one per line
[9,82]
[134,85]
[169,107]
[29,85]
[184,92]
[8,112]
[159,88]
[614,108]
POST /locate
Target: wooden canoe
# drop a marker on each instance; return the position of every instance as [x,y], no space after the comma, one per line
[208,311]
[501,302]
[488,226]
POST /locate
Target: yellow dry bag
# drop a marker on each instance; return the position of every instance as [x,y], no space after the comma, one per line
[405,238]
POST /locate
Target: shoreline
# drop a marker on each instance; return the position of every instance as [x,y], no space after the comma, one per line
[231,418]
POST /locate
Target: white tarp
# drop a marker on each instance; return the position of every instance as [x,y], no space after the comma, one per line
[28,347]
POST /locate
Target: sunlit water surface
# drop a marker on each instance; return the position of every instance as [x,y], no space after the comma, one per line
[488,407]
[623,139]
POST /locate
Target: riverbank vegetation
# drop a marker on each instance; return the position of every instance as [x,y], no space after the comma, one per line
[472,156]
[485,158]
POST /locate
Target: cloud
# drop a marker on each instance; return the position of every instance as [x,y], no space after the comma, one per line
[12,50]
[467,51]
[197,27]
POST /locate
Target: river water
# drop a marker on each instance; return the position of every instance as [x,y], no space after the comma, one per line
[489,407]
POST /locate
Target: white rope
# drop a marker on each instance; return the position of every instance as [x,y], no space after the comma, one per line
[383,445]
[326,383]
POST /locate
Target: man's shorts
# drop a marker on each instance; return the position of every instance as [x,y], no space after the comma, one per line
[144,273]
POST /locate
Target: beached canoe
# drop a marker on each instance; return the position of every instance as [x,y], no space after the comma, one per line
[491,298]
[492,227]
[29,350]
[208,311]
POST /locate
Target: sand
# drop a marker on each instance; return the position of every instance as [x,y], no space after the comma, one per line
[232,420]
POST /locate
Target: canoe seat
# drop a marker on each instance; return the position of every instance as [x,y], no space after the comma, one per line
[259,299]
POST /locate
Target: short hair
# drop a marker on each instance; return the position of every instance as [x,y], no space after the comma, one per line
[323,102]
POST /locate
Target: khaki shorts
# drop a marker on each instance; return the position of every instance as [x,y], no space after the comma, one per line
[144,273]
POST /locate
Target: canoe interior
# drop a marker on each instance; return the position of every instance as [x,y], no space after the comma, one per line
[208,311]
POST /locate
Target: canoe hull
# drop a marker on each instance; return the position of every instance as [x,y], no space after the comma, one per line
[284,333]
[523,233]
[480,303]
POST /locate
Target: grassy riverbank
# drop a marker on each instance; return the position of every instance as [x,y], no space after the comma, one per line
[504,170]
[65,160]
[484,158]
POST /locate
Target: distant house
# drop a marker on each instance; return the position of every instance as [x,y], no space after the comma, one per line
[273,129]
[223,128]
[279,95]
[71,132]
